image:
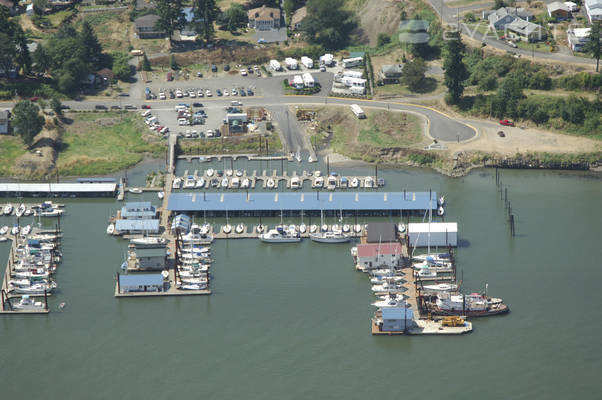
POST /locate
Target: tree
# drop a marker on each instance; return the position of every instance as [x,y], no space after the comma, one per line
[233,18]
[26,120]
[8,52]
[413,74]
[205,14]
[56,106]
[455,70]
[382,39]
[146,66]
[328,23]
[39,6]
[592,46]
[13,44]
[90,44]
[172,63]
[66,83]
[41,59]
[171,17]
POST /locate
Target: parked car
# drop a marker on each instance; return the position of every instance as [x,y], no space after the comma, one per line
[243,72]
[218,92]
[250,92]
[197,104]
[242,92]
[226,67]
[199,74]
[506,122]
[115,108]
[130,107]
[501,134]
[234,92]
[213,68]
[100,107]
[34,98]
[65,107]
[124,94]
[208,93]
[169,76]
[146,107]
[261,40]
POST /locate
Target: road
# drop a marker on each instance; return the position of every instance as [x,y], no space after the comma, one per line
[449,16]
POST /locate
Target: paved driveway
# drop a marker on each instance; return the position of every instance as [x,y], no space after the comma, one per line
[276,35]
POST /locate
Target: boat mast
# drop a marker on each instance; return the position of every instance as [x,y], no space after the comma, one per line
[429,235]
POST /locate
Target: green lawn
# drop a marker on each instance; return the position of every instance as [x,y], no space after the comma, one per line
[249,144]
[99,143]
[537,47]
[11,148]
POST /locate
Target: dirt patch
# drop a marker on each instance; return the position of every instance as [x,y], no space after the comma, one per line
[40,160]
[220,55]
[378,16]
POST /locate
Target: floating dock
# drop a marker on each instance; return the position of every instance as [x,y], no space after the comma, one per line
[99,189]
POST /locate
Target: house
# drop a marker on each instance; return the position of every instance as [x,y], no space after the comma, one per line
[527,31]
[501,17]
[146,27]
[390,73]
[577,38]
[151,258]
[136,226]
[559,10]
[573,7]
[138,210]
[106,75]
[4,121]
[140,283]
[374,255]
[264,18]
[298,17]
[397,319]
[593,9]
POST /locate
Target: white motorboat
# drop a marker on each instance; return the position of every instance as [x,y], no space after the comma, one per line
[225,182]
[354,183]
[470,305]
[295,182]
[240,228]
[432,264]
[203,229]
[32,274]
[313,228]
[192,286]
[270,183]
[135,190]
[441,200]
[292,229]
[245,183]
[335,228]
[357,228]
[238,173]
[20,210]
[298,156]
[210,172]
[189,182]
[324,228]
[353,251]
[200,182]
[369,182]
[388,287]
[191,274]
[390,301]
[149,241]
[401,227]
[50,212]
[260,228]
[426,273]
[235,182]
[15,230]
[319,182]
[177,183]
[440,211]
[27,212]
[302,228]
[31,288]
[229,172]
[381,280]
[203,159]
[26,230]
[227,229]
[440,287]
[28,304]
[4,230]
[8,209]
[329,237]
[279,235]
[194,280]
[160,195]
[111,229]
[346,228]
[331,182]
[310,159]
[3,239]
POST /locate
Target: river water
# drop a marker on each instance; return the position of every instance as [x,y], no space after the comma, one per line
[293,321]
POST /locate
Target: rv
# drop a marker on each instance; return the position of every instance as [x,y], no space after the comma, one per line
[352,62]
[327,59]
[291,63]
[297,82]
[308,80]
[353,74]
[275,65]
[359,113]
[307,62]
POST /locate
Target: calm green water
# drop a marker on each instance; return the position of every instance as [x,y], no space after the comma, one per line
[293,321]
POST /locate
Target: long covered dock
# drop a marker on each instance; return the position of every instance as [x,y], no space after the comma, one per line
[96,189]
[310,203]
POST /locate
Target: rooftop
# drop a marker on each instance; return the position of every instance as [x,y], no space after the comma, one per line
[146,21]
[423,227]
[298,16]
[558,6]
[373,249]
[137,225]
[58,187]
[380,232]
[264,13]
[151,252]
[141,280]
[303,201]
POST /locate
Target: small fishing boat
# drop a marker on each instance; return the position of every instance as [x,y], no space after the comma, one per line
[354,183]
[260,228]
[245,183]
[313,228]
[111,229]
[161,195]
[238,173]
[200,182]
[20,210]
[270,183]
[15,230]
[470,305]
[440,211]
[346,228]
[302,228]
[227,229]
[225,182]
[8,209]
[177,183]
[329,237]
[240,228]
[4,230]
[190,182]
[135,190]
[26,230]
[441,200]
[210,172]
[279,235]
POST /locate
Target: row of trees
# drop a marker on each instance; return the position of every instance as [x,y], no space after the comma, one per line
[328,23]
[14,54]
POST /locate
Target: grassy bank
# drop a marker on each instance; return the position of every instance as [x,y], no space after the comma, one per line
[230,145]
[11,148]
[100,143]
